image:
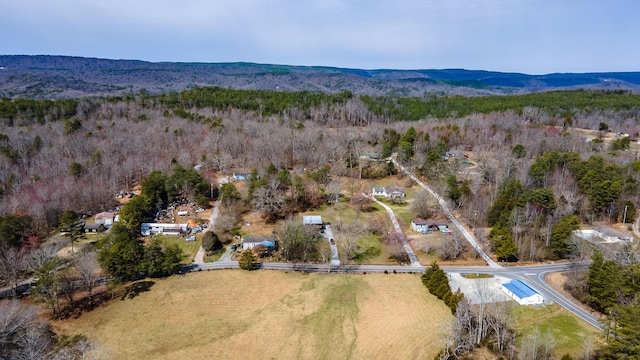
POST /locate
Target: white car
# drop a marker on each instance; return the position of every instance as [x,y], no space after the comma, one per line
[191,238]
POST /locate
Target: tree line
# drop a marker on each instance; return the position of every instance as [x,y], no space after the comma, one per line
[562,104]
[612,288]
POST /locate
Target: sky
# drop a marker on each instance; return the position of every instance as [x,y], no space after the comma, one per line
[527,36]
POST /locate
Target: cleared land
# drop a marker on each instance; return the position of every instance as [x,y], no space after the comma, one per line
[265,315]
[569,334]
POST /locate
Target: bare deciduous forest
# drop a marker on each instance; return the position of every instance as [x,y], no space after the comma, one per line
[531,168]
[78,161]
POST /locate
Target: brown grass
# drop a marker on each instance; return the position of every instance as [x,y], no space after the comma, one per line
[257,227]
[265,315]
[436,239]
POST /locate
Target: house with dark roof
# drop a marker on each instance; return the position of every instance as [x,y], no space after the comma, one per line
[420,225]
[395,192]
[522,293]
[426,226]
[94,228]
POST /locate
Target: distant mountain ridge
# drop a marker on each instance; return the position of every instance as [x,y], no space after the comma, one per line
[52,77]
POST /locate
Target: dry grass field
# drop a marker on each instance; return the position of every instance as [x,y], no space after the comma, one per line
[270,315]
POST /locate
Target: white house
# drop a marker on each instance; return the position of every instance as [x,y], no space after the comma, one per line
[522,293]
[389,192]
[249,242]
[104,218]
[240,177]
[163,228]
[420,225]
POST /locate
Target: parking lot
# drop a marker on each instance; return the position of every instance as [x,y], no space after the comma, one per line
[473,289]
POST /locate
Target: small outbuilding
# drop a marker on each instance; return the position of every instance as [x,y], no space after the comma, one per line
[313,220]
[522,293]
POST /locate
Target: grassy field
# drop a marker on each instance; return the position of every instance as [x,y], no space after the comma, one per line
[269,315]
[190,248]
[568,332]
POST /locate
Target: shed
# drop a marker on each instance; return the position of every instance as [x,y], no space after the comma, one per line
[522,293]
[313,220]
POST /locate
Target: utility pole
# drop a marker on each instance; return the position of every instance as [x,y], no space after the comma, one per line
[624,218]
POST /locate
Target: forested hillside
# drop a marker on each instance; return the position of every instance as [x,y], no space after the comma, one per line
[58,77]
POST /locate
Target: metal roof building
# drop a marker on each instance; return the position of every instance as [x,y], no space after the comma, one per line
[522,293]
[312,220]
[249,242]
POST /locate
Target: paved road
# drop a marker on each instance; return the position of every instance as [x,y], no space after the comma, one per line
[443,203]
[530,275]
[405,243]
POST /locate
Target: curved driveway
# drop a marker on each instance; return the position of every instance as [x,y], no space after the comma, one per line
[456,223]
[396,226]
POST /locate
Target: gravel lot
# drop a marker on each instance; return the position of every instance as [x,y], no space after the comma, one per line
[470,288]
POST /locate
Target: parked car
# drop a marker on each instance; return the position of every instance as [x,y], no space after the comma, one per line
[191,238]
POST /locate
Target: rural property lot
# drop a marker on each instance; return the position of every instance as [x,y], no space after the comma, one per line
[231,314]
